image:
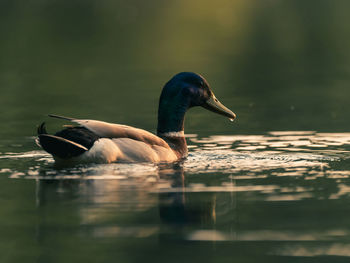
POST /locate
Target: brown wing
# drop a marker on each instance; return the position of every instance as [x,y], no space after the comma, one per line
[111,130]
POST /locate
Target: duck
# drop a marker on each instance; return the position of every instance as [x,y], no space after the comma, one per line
[94,141]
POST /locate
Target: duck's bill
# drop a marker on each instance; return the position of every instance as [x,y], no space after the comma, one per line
[214,105]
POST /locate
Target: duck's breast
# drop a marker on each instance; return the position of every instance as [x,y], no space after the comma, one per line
[138,151]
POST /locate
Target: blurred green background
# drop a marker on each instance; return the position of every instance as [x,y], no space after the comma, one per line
[280,65]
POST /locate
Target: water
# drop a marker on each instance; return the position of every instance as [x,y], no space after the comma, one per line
[272,186]
[275,196]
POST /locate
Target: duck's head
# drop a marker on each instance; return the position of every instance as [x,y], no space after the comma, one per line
[186,90]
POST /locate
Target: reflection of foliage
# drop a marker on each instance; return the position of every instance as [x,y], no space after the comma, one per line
[295,60]
[278,64]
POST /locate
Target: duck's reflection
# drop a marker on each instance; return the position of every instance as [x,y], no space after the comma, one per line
[126,207]
[180,208]
[167,200]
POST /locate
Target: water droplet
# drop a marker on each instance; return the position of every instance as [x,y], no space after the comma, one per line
[231,119]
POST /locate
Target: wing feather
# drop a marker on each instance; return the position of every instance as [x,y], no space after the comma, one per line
[113,131]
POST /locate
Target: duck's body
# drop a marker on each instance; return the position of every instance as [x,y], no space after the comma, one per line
[102,142]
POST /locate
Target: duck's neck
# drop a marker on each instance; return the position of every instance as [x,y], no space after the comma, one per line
[171,115]
[171,118]
[171,122]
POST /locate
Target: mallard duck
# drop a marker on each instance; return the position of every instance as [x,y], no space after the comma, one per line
[101,142]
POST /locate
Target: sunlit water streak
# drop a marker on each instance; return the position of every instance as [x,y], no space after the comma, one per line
[293,153]
[237,163]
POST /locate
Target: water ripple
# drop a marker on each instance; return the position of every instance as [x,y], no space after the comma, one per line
[262,165]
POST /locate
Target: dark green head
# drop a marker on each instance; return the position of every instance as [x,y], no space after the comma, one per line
[183,91]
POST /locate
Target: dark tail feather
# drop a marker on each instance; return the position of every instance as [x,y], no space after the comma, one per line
[67,143]
[42,129]
[60,147]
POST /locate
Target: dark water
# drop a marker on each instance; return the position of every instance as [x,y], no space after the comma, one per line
[273,186]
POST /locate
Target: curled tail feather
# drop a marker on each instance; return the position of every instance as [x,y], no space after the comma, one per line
[58,146]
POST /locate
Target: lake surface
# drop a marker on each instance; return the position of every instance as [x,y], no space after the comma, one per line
[272,186]
[275,196]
